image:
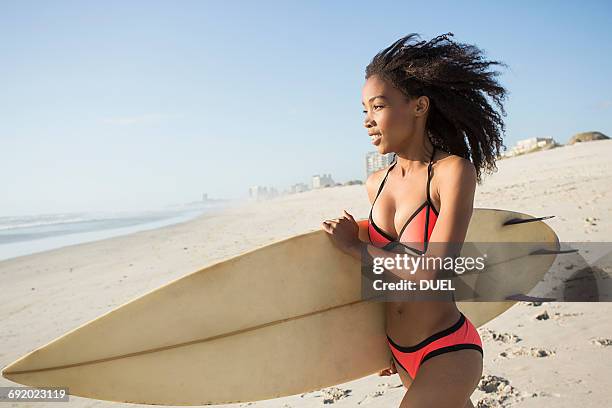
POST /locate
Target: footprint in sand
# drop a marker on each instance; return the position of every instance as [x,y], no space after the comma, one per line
[498,392]
[333,394]
[556,316]
[387,385]
[528,351]
[542,316]
[602,342]
[371,396]
[562,316]
[488,334]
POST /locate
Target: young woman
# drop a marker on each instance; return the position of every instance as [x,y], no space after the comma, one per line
[425,101]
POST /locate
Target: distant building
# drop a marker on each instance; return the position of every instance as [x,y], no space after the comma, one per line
[258,192]
[320,181]
[353,182]
[204,197]
[531,144]
[298,188]
[376,161]
[262,193]
[528,144]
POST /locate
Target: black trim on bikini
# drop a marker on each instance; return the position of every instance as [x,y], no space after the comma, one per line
[379,190]
[425,233]
[388,236]
[414,214]
[433,337]
[418,251]
[418,210]
[380,231]
[391,245]
[448,349]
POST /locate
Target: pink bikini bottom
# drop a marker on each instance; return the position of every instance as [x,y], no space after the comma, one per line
[461,335]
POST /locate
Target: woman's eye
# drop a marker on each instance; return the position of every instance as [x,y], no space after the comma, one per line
[375,106]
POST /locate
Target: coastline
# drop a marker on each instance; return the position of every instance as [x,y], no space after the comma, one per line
[23,241]
[51,292]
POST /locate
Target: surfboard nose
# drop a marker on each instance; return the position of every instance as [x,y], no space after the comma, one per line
[12,371]
[17,370]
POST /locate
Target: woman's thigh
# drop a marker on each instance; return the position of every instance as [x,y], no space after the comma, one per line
[403,375]
[445,381]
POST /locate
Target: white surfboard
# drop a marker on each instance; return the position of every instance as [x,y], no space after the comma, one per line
[279,320]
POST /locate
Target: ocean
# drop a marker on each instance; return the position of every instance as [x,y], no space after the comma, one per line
[24,235]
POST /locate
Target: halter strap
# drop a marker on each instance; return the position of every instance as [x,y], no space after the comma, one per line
[429,174]
[383,182]
[393,165]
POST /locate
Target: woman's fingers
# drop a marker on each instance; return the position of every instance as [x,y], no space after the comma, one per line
[333,222]
[329,225]
[326,227]
[389,371]
[349,215]
[385,372]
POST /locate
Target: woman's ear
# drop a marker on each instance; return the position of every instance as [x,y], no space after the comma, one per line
[422,105]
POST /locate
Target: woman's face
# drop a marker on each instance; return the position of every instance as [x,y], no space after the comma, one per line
[389,114]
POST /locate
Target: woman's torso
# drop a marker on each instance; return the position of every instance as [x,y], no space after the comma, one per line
[410,322]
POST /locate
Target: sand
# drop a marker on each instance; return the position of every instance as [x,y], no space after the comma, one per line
[563,360]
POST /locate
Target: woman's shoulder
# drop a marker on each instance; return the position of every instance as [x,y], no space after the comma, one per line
[448,162]
[453,169]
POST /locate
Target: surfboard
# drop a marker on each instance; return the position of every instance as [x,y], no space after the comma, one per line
[279,320]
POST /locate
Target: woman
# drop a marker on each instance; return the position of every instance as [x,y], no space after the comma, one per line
[425,101]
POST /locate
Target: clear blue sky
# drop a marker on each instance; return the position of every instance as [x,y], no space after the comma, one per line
[114,105]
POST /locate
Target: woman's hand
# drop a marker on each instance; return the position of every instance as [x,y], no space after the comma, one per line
[344,232]
[389,371]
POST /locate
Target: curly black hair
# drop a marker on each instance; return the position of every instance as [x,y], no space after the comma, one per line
[455,78]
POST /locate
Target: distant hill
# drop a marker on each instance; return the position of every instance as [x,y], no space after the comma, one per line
[587,137]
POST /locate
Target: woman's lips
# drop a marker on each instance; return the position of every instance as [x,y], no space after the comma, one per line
[376,139]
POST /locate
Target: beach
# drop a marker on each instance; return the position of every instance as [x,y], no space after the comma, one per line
[561,359]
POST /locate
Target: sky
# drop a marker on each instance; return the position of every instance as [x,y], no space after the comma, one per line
[130,105]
